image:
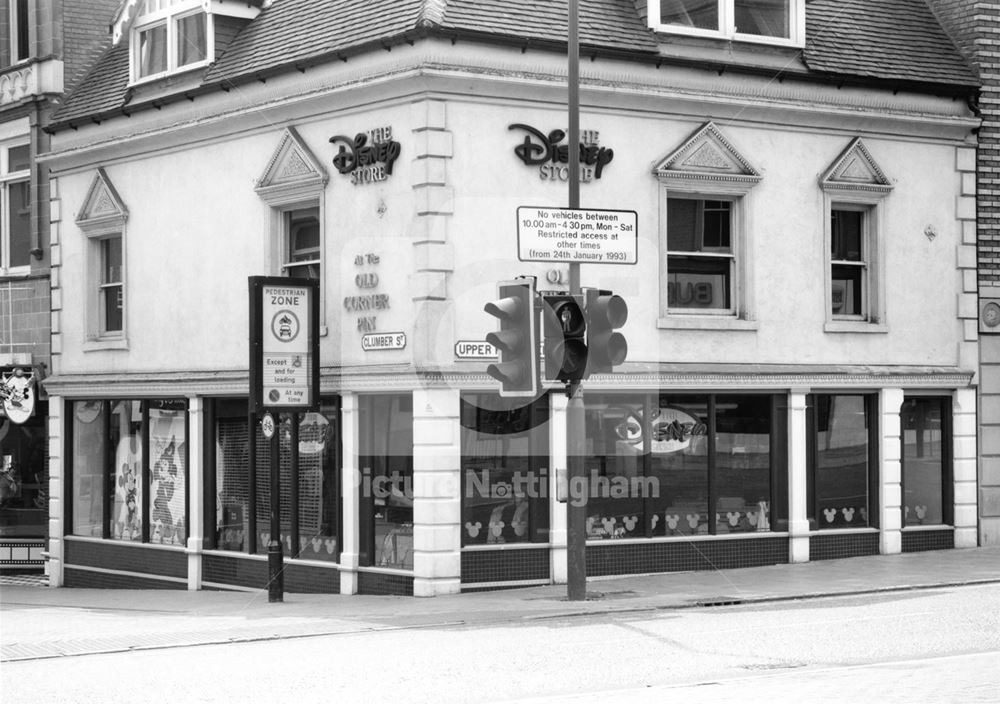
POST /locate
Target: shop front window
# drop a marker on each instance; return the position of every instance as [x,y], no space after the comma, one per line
[310,512]
[842,461]
[505,470]
[129,470]
[386,463]
[926,461]
[24,486]
[683,464]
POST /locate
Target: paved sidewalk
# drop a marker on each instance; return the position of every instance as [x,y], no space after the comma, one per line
[41,622]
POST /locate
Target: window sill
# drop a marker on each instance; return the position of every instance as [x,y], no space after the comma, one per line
[706,322]
[855,326]
[110,343]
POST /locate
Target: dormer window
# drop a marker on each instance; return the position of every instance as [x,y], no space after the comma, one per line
[766,21]
[169,36]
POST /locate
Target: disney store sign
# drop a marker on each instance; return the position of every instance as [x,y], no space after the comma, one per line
[368,158]
[547,152]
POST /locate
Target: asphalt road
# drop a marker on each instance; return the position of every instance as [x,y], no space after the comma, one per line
[938,645]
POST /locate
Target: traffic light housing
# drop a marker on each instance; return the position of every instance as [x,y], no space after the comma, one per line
[565,345]
[517,338]
[606,347]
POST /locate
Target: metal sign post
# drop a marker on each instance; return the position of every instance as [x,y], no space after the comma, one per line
[284,377]
[576,511]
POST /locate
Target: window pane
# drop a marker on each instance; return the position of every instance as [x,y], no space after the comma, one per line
[20,223]
[303,242]
[847,228]
[22,28]
[88,468]
[767,18]
[112,308]
[191,42]
[112,260]
[153,50]
[716,224]
[847,293]
[841,480]
[168,472]
[678,430]
[923,461]
[126,438]
[319,484]
[232,475]
[698,282]
[19,158]
[614,467]
[682,224]
[505,469]
[703,14]
[743,463]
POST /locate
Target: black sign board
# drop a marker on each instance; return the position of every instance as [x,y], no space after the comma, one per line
[284,344]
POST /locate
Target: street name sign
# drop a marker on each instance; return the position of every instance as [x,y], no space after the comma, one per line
[577,235]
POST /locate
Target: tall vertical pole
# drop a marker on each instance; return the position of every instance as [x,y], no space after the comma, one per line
[576,509]
[276,578]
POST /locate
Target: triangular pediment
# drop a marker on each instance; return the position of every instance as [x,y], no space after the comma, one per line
[855,169]
[708,155]
[291,168]
[103,205]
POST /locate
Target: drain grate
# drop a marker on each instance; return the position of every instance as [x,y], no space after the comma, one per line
[720,601]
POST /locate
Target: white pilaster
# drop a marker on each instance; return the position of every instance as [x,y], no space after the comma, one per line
[196,490]
[350,487]
[437,495]
[964,453]
[57,497]
[558,475]
[798,509]
[890,472]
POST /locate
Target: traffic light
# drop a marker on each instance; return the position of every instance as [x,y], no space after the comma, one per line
[565,331]
[605,347]
[517,339]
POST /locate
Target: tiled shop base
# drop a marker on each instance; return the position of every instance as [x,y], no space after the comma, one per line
[918,541]
[505,565]
[638,558]
[833,547]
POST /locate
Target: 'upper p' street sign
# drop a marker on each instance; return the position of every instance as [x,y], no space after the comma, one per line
[284,343]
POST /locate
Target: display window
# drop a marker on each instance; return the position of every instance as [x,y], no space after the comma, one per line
[128,470]
[674,464]
[505,470]
[310,505]
[842,460]
[24,477]
[385,460]
[926,455]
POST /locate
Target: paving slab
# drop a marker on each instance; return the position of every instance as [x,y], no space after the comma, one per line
[44,622]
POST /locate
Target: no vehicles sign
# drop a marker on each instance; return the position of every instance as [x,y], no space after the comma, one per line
[577,235]
[284,343]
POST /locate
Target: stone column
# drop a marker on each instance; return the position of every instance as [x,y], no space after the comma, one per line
[890,472]
[57,495]
[196,490]
[798,510]
[351,491]
[437,496]
[964,449]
